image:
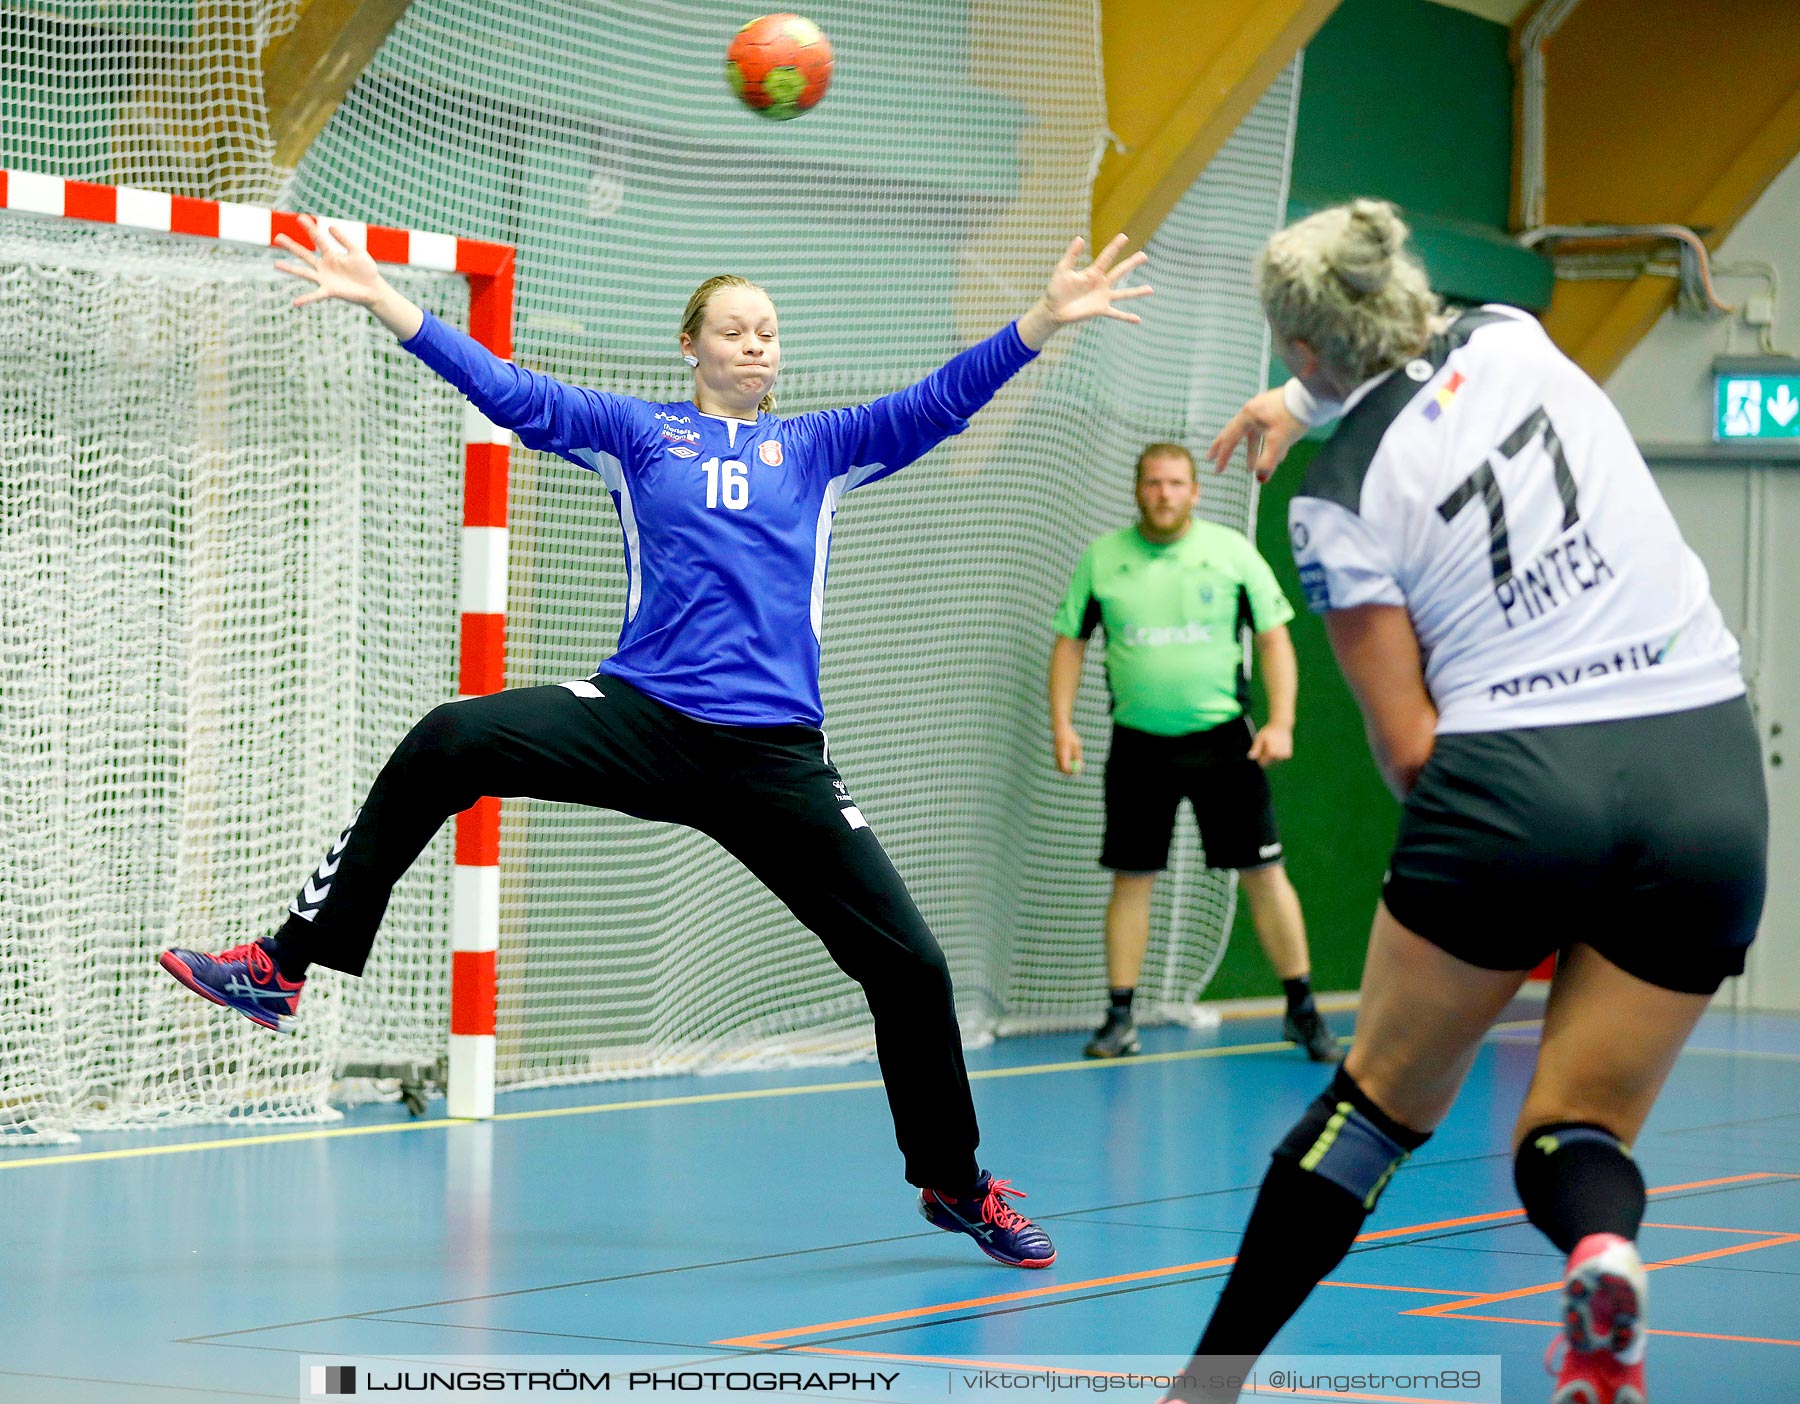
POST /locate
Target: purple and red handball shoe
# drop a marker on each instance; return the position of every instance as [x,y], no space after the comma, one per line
[1003,1233]
[243,978]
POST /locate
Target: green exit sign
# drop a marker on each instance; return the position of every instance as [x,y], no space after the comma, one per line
[1755,398]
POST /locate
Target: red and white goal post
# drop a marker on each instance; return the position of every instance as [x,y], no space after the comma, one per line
[489,269]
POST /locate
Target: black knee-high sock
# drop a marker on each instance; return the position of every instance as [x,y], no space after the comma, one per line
[1301,1228]
[1575,1178]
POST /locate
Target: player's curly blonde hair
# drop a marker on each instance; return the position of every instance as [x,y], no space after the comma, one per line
[695,316]
[1343,281]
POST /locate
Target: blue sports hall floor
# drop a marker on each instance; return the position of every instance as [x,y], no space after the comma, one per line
[703,1218]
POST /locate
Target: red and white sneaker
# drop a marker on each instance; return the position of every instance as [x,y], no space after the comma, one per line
[1602,1342]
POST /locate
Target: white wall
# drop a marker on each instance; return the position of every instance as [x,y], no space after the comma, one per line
[1664,387]
[1744,521]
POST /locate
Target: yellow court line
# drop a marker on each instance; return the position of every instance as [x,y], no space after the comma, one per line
[187,1147]
[599,1108]
[1750,1053]
[1382,1287]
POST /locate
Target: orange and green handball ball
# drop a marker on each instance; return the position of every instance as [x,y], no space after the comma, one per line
[779,66]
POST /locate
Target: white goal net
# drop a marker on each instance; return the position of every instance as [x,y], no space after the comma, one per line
[228,545]
[231,529]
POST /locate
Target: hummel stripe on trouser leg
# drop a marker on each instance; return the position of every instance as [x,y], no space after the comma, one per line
[546,742]
[318,887]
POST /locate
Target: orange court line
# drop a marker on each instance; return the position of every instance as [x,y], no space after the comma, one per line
[1445,1308]
[1493,1218]
[1714,1228]
[1779,1240]
[1648,1330]
[1724,1180]
[763,1338]
[1502,1214]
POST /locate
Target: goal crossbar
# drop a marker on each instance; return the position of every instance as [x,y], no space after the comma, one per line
[489,270]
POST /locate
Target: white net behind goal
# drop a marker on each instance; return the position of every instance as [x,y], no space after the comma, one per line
[228,544]
[913,212]
[917,209]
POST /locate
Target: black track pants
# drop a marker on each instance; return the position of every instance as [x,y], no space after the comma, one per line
[769,795]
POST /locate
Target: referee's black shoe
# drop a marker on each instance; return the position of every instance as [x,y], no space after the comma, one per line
[1304,1027]
[1116,1038]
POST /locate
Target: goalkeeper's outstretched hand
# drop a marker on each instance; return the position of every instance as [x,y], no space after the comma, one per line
[1082,294]
[340,268]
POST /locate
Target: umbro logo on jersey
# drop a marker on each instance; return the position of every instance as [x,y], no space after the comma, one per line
[682,450]
[770,453]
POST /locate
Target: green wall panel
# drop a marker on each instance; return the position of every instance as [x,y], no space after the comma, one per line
[1412,102]
[1337,818]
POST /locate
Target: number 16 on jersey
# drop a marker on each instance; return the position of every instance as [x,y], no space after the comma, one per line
[727,482]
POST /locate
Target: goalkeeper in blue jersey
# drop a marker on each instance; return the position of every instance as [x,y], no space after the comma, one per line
[708,714]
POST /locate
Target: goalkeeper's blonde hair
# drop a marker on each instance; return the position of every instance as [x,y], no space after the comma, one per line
[695,316]
[1343,281]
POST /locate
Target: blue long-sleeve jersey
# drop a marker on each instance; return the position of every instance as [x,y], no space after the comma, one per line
[727,523]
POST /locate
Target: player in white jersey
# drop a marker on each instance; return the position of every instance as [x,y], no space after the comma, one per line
[1548,686]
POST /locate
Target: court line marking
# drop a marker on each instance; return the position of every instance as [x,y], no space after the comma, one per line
[711,1098]
[763,1338]
[1387,1287]
[1493,1298]
[1184,1055]
[1755,1055]
[1648,1330]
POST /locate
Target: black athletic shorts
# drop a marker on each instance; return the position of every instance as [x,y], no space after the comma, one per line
[1148,776]
[1645,838]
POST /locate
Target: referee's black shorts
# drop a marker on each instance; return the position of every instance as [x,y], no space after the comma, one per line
[1148,776]
[1646,838]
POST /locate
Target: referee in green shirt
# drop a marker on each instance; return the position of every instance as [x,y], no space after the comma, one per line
[1173,594]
